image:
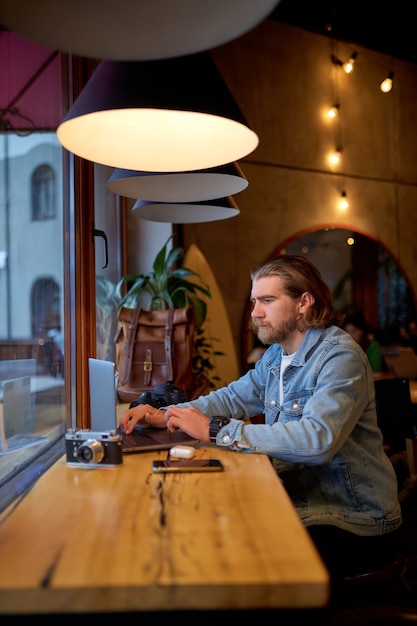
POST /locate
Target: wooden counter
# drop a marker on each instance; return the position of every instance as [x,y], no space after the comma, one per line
[123,539]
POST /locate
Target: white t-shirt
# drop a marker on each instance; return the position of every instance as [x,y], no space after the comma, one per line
[286,360]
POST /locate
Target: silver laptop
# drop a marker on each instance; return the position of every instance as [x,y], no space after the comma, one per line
[103,403]
[401,361]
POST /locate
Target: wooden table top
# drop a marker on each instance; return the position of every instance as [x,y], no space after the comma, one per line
[124,539]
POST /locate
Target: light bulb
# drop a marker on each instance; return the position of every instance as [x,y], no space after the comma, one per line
[333,111]
[343,203]
[334,157]
[386,84]
[349,65]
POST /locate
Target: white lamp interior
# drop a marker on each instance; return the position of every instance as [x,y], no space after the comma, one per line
[161,116]
[170,187]
[134,30]
[182,213]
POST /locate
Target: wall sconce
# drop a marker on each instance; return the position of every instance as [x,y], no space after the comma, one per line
[334,157]
[386,84]
[159,116]
[343,202]
[218,182]
[141,30]
[349,66]
[333,111]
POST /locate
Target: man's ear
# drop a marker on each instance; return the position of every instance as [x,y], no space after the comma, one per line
[306,301]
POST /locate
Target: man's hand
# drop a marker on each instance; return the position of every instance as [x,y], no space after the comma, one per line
[144,414]
[190,420]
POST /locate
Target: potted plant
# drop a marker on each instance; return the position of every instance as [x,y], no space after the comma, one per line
[165,286]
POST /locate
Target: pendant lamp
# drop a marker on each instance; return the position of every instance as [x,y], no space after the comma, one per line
[218,182]
[161,116]
[186,213]
[133,29]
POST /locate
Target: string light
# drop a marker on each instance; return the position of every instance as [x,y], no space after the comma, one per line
[333,111]
[334,157]
[386,84]
[349,66]
[343,202]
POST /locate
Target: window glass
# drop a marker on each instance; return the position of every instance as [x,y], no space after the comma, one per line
[32,416]
[32,376]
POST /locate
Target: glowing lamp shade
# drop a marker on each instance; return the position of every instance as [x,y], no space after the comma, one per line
[134,30]
[183,213]
[219,182]
[161,116]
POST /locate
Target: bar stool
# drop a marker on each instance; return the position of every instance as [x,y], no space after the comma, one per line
[368,587]
[373,615]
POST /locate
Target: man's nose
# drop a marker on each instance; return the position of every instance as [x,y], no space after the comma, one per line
[255,311]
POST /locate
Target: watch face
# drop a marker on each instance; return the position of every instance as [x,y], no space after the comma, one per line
[221,419]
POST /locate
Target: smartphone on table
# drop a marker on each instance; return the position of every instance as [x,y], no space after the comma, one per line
[187,465]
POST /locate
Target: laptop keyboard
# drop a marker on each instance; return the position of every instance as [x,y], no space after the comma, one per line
[137,438]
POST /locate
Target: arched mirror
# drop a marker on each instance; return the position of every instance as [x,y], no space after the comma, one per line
[362,275]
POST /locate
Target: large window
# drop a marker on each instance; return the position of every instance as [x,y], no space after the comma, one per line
[31,306]
[33,408]
[52,205]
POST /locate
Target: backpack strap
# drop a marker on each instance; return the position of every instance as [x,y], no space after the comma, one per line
[168,342]
[129,347]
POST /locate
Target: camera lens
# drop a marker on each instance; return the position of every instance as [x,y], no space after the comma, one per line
[92,451]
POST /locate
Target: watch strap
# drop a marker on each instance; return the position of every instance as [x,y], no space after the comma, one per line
[216,423]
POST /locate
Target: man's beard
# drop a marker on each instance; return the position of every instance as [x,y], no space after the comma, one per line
[269,335]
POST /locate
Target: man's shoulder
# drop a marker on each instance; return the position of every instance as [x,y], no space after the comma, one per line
[334,335]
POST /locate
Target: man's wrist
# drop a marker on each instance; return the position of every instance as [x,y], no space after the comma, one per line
[215,424]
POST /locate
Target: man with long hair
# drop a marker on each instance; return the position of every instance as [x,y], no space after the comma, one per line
[315,387]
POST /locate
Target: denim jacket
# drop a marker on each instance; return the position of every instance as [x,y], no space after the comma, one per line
[322,437]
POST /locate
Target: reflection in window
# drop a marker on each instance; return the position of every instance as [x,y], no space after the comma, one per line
[46,306]
[47,326]
[31,306]
[43,193]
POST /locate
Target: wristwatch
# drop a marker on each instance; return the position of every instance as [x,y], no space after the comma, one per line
[216,423]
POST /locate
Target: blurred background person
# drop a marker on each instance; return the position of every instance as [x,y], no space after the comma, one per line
[357,327]
[408,335]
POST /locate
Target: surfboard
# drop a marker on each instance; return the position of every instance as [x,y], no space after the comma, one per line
[217,327]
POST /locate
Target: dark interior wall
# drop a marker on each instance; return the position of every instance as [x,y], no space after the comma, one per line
[284,81]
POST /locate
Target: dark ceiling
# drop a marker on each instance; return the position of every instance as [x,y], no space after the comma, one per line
[387,28]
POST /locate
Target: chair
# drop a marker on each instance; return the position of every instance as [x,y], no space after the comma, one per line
[368,587]
[396,420]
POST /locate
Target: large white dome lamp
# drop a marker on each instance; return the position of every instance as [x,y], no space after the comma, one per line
[133,30]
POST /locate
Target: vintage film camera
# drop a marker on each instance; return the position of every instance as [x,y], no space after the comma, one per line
[93,449]
[164,394]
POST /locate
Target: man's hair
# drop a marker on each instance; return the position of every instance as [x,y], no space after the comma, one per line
[299,275]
